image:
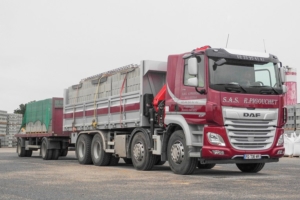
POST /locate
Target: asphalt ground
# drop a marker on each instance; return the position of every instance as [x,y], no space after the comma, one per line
[65,178]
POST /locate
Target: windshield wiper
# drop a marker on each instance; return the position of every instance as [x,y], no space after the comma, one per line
[233,87]
[268,90]
[265,89]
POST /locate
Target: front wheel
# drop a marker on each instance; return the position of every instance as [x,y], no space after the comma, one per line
[179,160]
[251,167]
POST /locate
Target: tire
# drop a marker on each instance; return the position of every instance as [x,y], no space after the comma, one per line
[55,154]
[83,149]
[64,152]
[28,153]
[45,152]
[128,161]
[142,158]
[114,161]
[251,167]
[179,160]
[99,156]
[205,166]
[20,150]
[158,161]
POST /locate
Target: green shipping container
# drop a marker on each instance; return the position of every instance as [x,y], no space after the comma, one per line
[38,117]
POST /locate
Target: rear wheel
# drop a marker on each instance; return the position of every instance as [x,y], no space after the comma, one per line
[205,166]
[28,153]
[179,160]
[99,156]
[63,152]
[83,149]
[251,167]
[55,154]
[142,158]
[45,152]
[20,150]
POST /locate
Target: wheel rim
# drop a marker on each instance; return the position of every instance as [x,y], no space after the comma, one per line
[177,152]
[96,150]
[139,151]
[81,149]
[44,149]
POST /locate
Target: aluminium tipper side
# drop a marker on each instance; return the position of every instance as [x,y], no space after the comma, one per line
[113,99]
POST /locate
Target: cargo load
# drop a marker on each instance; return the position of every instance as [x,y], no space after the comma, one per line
[44,116]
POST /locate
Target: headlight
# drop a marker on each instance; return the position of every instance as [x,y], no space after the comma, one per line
[280,140]
[215,139]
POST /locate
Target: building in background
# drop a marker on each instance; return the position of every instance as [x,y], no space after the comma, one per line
[14,122]
[291,84]
[3,126]
[10,124]
[290,101]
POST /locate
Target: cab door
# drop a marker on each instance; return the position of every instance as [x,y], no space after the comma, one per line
[192,105]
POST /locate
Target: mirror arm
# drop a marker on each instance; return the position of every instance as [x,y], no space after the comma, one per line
[203,91]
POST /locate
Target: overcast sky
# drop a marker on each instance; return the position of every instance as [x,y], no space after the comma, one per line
[47,46]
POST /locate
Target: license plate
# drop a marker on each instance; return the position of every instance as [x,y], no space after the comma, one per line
[252,156]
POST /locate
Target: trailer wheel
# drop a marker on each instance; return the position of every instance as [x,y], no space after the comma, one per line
[28,153]
[63,152]
[158,161]
[178,157]
[20,150]
[251,167]
[128,161]
[142,158]
[114,161]
[45,152]
[55,154]
[83,149]
[99,156]
[205,166]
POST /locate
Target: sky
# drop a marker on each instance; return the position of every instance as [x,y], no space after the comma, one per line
[47,46]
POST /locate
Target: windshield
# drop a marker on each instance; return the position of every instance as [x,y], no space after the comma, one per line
[249,76]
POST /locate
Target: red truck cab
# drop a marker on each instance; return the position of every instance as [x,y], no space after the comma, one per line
[228,105]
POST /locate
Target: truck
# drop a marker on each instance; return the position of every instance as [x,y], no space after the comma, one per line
[204,107]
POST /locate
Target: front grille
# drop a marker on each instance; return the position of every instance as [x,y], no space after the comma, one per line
[250,135]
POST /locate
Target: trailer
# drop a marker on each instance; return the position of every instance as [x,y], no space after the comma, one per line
[42,129]
[198,109]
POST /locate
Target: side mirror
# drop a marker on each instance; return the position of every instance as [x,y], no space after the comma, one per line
[282,74]
[284,89]
[193,81]
[192,66]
